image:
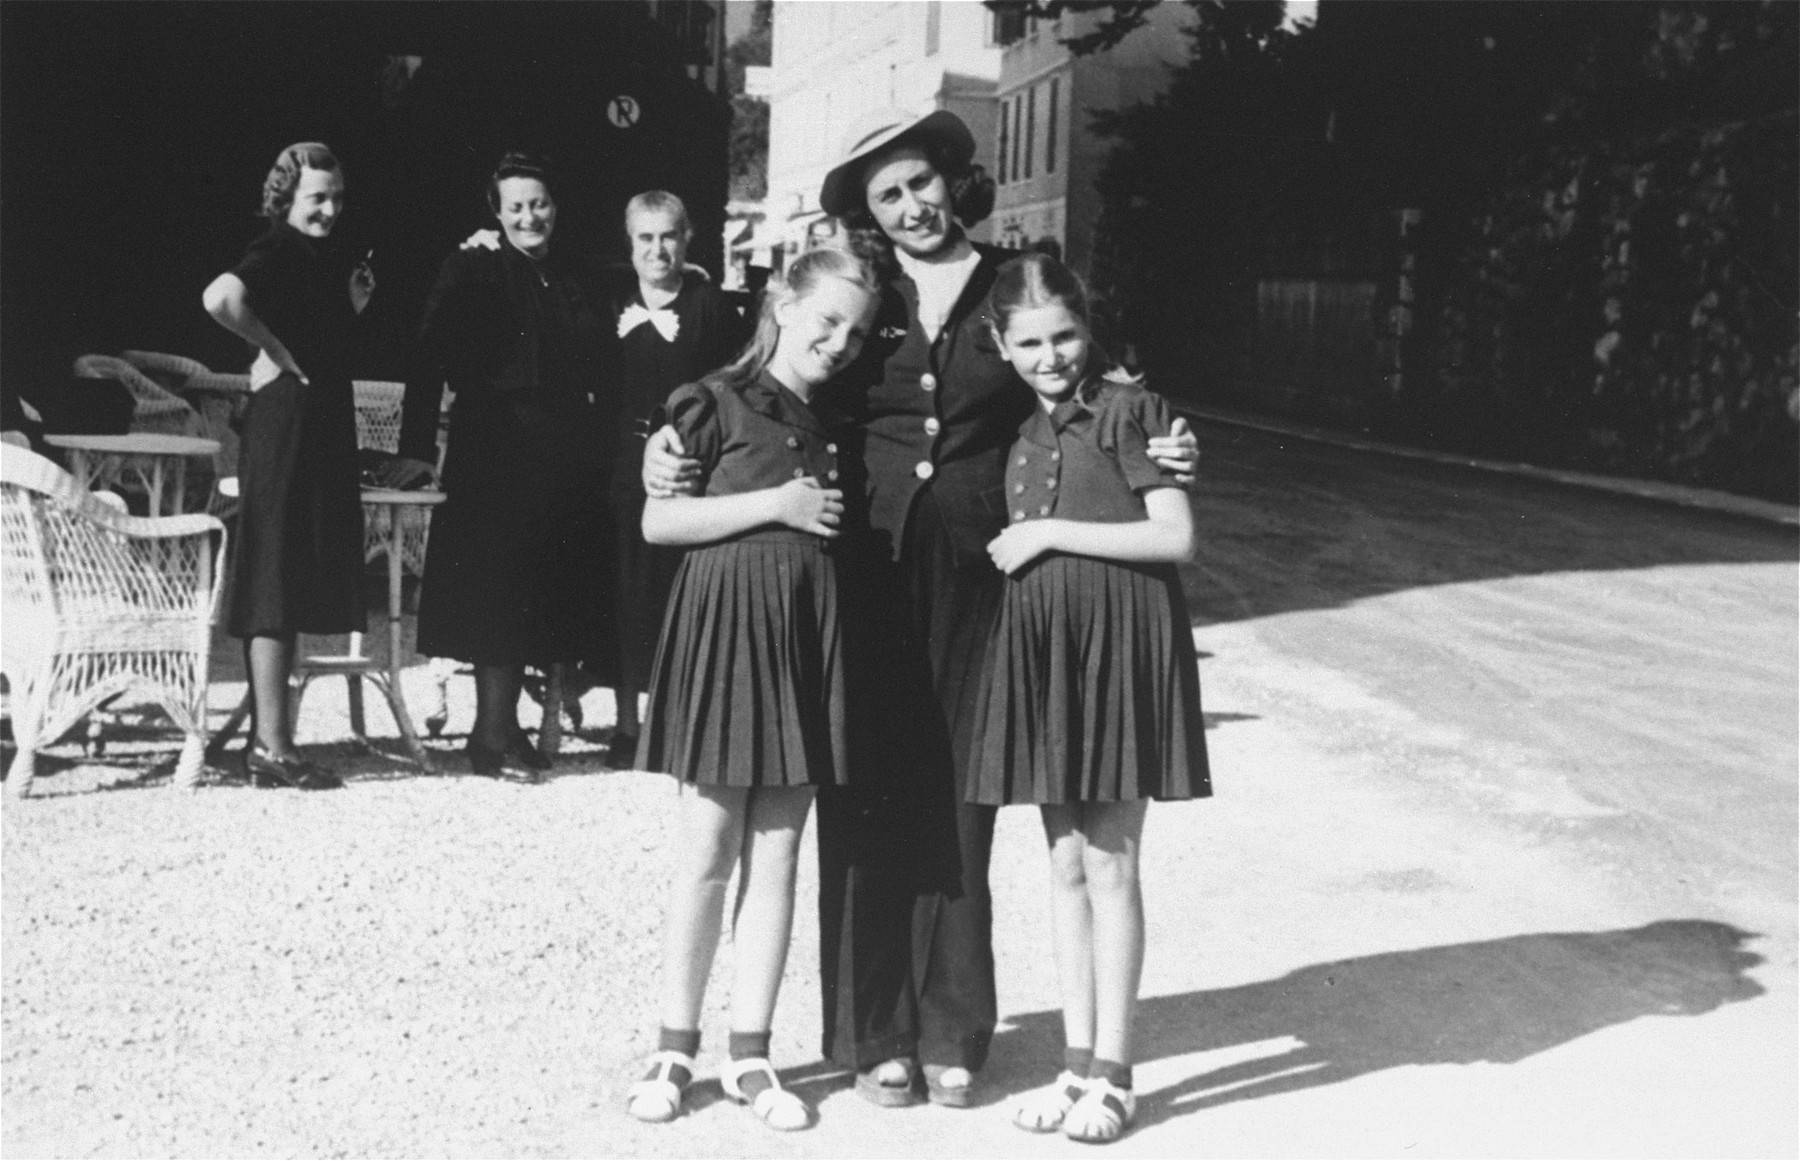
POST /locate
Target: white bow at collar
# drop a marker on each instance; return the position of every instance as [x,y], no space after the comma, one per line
[665,320]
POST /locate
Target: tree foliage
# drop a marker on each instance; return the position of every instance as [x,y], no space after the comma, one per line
[1603,270]
[749,115]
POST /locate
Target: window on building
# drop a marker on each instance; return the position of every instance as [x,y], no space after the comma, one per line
[1008,25]
[1005,138]
[1050,128]
[1018,133]
[1030,126]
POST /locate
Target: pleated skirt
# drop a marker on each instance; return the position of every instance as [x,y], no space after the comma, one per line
[1093,692]
[747,688]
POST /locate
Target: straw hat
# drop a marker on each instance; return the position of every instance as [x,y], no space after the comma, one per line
[841,192]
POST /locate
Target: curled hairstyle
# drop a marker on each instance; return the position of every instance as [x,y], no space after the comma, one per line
[1038,280]
[284,175]
[804,273]
[655,201]
[516,163]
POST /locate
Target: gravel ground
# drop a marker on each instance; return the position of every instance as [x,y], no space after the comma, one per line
[1502,863]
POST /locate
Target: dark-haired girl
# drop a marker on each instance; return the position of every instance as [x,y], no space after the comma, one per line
[297,558]
[516,570]
[746,702]
[1092,708]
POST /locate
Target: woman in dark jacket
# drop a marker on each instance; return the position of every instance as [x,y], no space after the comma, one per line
[905,946]
[516,572]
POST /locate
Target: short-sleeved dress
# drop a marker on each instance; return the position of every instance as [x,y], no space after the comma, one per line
[747,688]
[296,561]
[1094,694]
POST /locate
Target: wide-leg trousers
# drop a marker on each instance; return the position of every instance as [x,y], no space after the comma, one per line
[905,915]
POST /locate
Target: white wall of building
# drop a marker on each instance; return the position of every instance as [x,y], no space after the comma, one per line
[833,61]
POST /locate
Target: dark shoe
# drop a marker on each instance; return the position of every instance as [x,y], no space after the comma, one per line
[265,770]
[503,764]
[520,750]
[891,1084]
[621,752]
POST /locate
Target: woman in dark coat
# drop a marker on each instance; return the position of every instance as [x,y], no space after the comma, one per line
[517,571]
[297,556]
[905,916]
[673,327]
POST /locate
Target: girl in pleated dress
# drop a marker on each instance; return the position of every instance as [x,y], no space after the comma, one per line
[746,695]
[1093,704]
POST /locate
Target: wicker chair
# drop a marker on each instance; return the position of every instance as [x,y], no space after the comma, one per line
[172,371]
[378,408]
[98,604]
[156,408]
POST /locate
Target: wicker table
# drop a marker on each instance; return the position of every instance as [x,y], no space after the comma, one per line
[152,459]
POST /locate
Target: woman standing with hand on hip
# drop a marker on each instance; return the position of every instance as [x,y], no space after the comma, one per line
[905,915]
[516,572]
[296,564]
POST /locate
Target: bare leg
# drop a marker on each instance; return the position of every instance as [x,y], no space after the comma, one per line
[708,836]
[1114,833]
[1071,921]
[496,704]
[269,661]
[764,918]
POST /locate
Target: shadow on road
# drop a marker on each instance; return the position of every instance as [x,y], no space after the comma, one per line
[1287,525]
[1497,1001]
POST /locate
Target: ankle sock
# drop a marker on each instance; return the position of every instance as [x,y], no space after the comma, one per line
[1078,1060]
[1112,1072]
[683,1040]
[751,1046]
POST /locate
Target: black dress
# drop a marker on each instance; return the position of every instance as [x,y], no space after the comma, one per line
[748,685]
[1093,694]
[648,367]
[516,571]
[296,559]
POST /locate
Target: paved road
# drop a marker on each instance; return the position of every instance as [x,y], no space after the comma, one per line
[1502,863]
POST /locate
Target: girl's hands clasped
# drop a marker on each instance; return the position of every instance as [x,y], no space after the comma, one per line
[1021,544]
[803,504]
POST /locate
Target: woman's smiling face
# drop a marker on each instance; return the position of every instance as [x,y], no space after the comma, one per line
[910,200]
[527,214]
[318,200]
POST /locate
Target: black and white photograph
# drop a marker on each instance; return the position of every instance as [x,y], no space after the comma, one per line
[933,578]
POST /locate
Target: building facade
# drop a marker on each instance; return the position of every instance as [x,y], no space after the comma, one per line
[833,61]
[1048,159]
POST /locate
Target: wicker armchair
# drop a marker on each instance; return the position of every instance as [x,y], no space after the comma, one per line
[172,371]
[378,407]
[99,603]
[156,407]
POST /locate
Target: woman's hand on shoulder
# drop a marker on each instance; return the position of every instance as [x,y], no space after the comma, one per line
[1178,452]
[1021,544]
[667,471]
[803,504]
[481,240]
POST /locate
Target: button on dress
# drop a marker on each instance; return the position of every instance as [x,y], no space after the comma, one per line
[1094,692]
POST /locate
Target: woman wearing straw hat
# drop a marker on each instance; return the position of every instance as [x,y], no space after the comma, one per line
[906,956]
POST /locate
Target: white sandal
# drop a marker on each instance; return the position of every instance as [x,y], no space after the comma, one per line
[1102,1114]
[657,1097]
[778,1108]
[1043,1111]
